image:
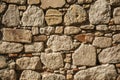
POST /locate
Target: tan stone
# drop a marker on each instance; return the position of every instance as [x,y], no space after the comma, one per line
[59,30]
[40,38]
[87,27]
[75,14]
[85,55]
[69,77]
[33,1]
[116,37]
[52,3]
[53,17]
[2,7]
[114,27]
[35,30]
[17,35]
[3,62]
[30,75]
[22,8]
[33,63]
[84,1]
[16,1]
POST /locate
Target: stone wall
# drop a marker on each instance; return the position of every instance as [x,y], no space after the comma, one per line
[59,39]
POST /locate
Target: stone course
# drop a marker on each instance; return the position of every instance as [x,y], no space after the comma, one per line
[59,39]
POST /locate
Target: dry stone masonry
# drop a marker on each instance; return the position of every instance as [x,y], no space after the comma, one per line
[59,39]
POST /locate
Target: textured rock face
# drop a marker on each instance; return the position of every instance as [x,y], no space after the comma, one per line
[102,42]
[100,12]
[71,30]
[33,16]
[35,47]
[11,16]
[3,62]
[84,1]
[8,74]
[116,15]
[116,38]
[30,75]
[53,17]
[114,2]
[52,3]
[2,7]
[17,35]
[16,1]
[110,55]
[6,47]
[34,1]
[28,63]
[58,43]
[75,14]
[52,60]
[85,55]
[103,72]
[53,77]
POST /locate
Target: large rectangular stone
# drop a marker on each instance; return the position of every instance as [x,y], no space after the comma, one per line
[17,35]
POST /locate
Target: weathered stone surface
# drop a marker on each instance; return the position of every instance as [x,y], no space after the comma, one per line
[16,1]
[115,28]
[33,1]
[115,2]
[2,7]
[59,43]
[85,55]
[103,72]
[52,60]
[33,16]
[102,27]
[30,75]
[34,47]
[33,63]
[35,30]
[87,27]
[11,16]
[116,15]
[71,30]
[39,38]
[6,47]
[71,1]
[53,17]
[110,55]
[100,12]
[102,42]
[59,29]
[53,77]
[52,3]
[17,35]
[48,30]
[75,14]
[118,78]
[3,62]
[116,37]
[84,1]
[7,74]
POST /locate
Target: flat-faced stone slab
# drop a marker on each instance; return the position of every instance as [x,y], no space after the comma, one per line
[7,47]
[84,55]
[102,72]
[17,35]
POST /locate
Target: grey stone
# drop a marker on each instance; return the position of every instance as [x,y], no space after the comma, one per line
[103,72]
[102,42]
[17,35]
[16,1]
[110,55]
[33,63]
[116,37]
[99,12]
[11,16]
[52,3]
[6,74]
[53,77]
[3,62]
[53,17]
[52,60]
[33,16]
[71,30]
[6,47]
[59,43]
[84,55]
[34,47]
[30,75]
[75,14]
[2,7]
